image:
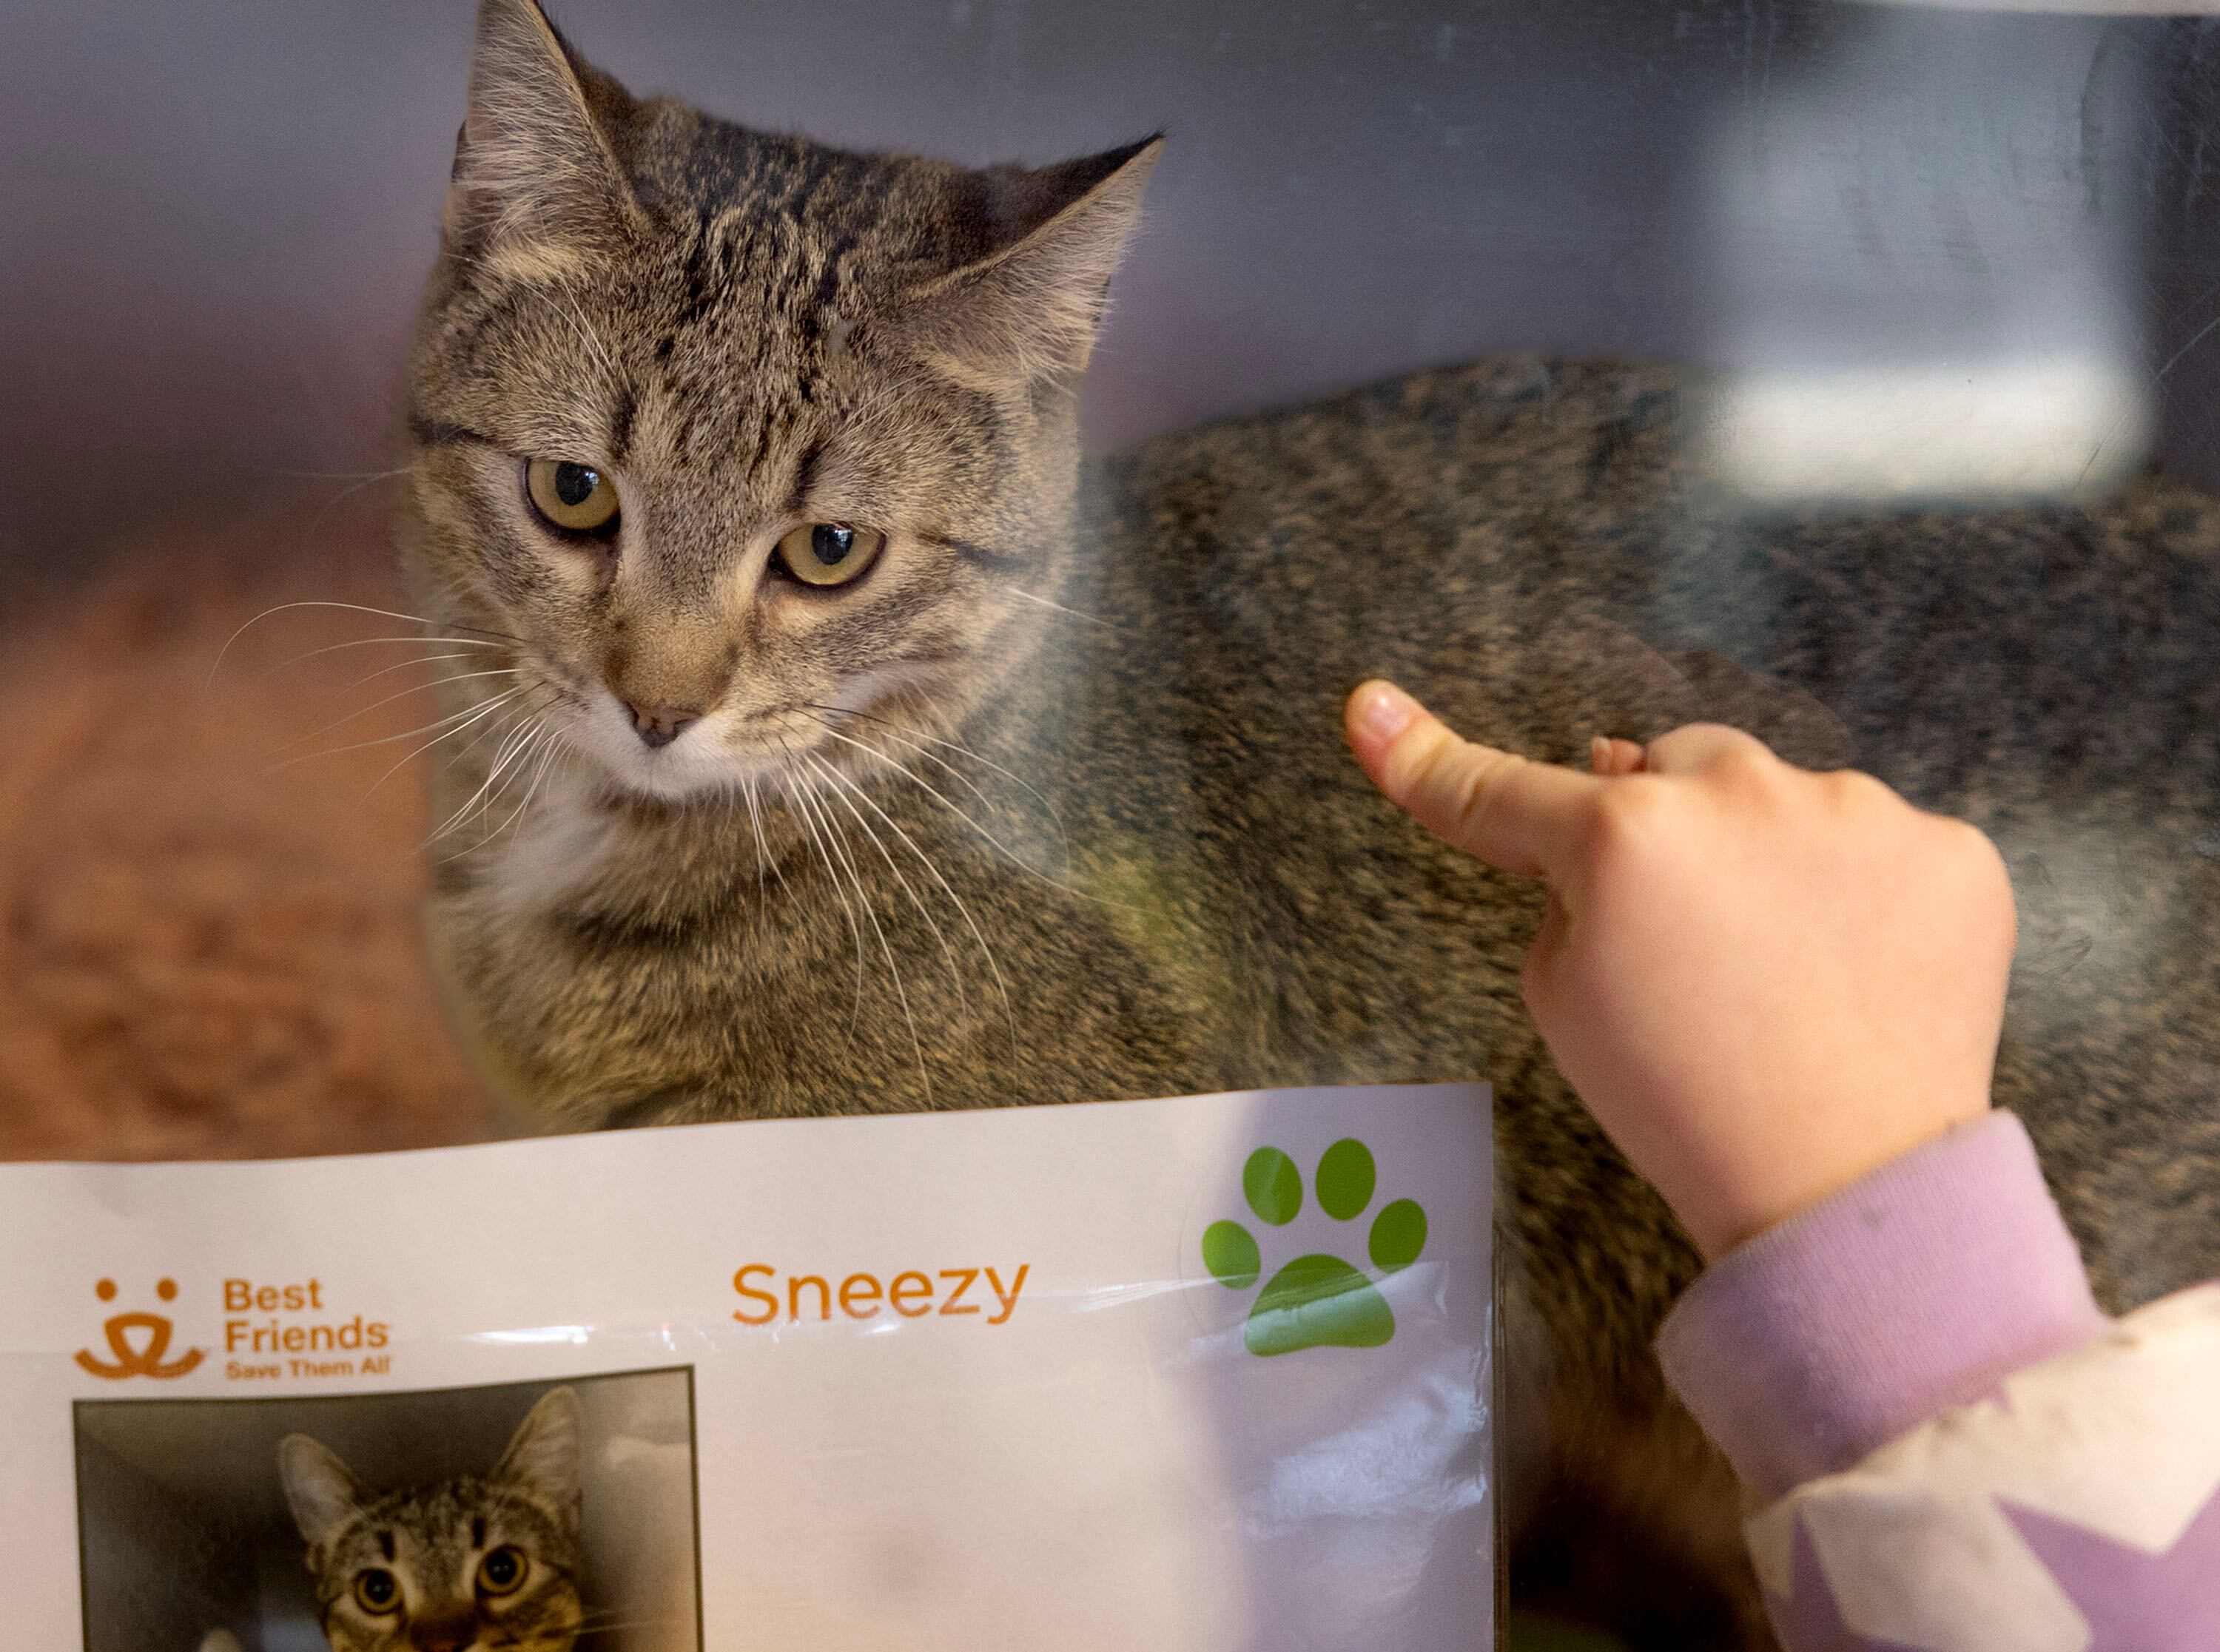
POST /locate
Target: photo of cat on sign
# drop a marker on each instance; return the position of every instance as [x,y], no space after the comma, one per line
[452,1564]
[546,1517]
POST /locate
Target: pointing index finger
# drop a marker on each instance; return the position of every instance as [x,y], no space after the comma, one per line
[1516,814]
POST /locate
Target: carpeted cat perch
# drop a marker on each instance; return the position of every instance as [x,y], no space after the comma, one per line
[206,954]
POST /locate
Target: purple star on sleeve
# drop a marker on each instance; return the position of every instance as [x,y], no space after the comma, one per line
[2135,1600]
[1808,1620]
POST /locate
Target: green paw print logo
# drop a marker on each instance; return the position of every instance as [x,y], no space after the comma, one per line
[1315,1301]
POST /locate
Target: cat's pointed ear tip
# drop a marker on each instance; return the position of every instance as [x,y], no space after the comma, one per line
[319,1488]
[1140,157]
[556,1414]
[510,26]
[304,1461]
[559,1402]
[496,15]
[297,1447]
[499,11]
[545,1448]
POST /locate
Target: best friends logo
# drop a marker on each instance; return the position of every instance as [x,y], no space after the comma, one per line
[272,1331]
[149,1360]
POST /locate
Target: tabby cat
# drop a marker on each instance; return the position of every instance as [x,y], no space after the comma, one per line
[829,740]
[472,1562]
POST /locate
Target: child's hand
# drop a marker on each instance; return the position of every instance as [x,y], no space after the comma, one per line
[1764,983]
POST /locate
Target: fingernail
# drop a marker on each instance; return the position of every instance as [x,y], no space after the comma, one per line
[1386,711]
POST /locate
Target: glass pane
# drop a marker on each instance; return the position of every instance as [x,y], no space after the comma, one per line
[745,728]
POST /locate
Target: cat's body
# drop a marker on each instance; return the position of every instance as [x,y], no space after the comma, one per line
[1183,882]
[478,1560]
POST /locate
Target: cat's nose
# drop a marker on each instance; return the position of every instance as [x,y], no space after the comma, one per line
[658,726]
[445,1633]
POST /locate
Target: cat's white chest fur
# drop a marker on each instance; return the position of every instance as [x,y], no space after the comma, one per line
[558,844]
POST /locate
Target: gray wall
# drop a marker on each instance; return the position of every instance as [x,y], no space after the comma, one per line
[217,215]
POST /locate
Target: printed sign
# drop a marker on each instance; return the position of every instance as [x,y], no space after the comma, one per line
[1195,1375]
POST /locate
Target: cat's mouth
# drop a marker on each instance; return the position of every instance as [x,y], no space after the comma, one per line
[709,753]
[724,754]
[810,744]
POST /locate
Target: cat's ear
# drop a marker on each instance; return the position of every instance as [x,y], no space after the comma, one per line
[1029,309]
[532,166]
[320,1490]
[542,1458]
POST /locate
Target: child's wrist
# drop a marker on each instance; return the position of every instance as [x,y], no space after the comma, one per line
[1913,1289]
[1779,1175]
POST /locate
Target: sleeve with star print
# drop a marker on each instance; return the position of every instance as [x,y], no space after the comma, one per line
[1954,1449]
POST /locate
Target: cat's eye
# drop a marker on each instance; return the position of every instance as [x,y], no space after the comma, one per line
[571,498]
[376,1591]
[501,1572]
[824,554]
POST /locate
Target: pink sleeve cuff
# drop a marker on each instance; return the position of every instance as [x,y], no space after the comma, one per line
[1911,1291]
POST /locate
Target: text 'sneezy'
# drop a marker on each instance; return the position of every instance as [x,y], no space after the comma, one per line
[953,1292]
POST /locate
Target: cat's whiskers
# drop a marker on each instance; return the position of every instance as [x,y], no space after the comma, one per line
[836,851]
[919,780]
[605,1623]
[369,479]
[762,853]
[336,476]
[892,731]
[1091,618]
[527,749]
[992,964]
[404,665]
[554,751]
[485,729]
[357,608]
[1015,858]
[523,727]
[462,719]
[422,687]
[498,727]
[886,951]
[365,711]
[755,826]
[855,930]
[544,743]
[513,744]
[369,642]
[947,953]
